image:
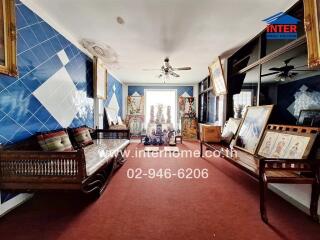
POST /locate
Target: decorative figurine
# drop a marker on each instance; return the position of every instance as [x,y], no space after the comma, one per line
[169,114]
[152,114]
[159,113]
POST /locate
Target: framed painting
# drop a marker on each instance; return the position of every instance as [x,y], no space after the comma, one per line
[187,107]
[218,82]
[309,117]
[189,128]
[135,105]
[230,129]
[312,29]
[252,127]
[8,58]
[286,145]
[100,79]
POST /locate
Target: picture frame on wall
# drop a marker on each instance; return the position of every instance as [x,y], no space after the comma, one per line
[8,57]
[309,117]
[135,105]
[312,29]
[100,79]
[252,127]
[187,107]
[218,82]
[286,145]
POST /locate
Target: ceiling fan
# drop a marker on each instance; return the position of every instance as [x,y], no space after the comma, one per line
[286,72]
[167,70]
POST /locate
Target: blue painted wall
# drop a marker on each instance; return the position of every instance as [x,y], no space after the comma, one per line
[180,89]
[21,112]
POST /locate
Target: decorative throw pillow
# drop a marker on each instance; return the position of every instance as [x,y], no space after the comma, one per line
[55,141]
[82,136]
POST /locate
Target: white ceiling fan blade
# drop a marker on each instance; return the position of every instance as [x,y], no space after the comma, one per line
[181,68]
[151,69]
[174,74]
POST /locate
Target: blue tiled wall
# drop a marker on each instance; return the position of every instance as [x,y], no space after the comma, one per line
[21,112]
[180,89]
[114,90]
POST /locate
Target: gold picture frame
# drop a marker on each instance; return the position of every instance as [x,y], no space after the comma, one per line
[252,127]
[8,58]
[312,29]
[218,83]
[100,79]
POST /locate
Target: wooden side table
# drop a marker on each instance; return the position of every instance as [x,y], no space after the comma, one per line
[178,137]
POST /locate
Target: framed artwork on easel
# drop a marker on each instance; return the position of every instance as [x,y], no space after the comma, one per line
[252,127]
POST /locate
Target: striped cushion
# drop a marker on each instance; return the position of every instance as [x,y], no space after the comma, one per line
[55,141]
[82,136]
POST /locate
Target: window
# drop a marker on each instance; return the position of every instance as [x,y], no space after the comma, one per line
[208,103]
[161,100]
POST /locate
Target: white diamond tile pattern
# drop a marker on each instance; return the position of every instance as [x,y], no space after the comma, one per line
[59,96]
[63,57]
[113,104]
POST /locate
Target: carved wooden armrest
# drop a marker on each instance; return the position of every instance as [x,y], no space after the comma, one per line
[41,164]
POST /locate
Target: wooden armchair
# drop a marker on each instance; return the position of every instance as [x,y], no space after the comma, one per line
[291,171]
[268,170]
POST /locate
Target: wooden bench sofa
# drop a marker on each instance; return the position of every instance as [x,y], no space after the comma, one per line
[289,171]
[26,167]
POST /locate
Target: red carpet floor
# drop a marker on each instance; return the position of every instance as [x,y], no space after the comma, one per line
[224,206]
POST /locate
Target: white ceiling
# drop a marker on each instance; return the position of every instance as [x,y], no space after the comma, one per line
[190,32]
